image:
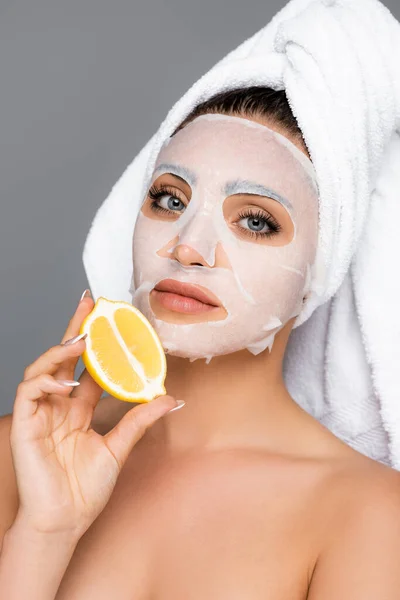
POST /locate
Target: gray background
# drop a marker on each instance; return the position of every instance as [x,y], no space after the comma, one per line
[84,85]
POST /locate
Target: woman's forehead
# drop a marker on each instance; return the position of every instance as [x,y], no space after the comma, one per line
[216,140]
[216,130]
[233,155]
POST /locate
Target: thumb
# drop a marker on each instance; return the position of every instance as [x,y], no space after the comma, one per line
[128,431]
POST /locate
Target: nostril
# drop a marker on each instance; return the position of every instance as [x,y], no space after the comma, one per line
[197,264]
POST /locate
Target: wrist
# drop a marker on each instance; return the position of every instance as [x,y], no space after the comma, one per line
[33,563]
[24,530]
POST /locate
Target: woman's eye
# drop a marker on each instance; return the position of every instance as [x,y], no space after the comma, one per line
[170,203]
[165,201]
[256,224]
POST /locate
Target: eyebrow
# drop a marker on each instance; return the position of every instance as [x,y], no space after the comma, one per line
[249,187]
[179,171]
[239,186]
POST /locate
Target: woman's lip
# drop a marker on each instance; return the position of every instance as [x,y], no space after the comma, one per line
[182,304]
[188,291]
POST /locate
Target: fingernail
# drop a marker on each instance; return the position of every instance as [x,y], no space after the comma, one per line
[86,294]
[180,404]
[75,339]
[67,382]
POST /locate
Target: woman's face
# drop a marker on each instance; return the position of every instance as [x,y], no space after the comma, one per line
[226,237]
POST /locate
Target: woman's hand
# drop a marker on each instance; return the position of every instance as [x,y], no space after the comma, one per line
[66,471]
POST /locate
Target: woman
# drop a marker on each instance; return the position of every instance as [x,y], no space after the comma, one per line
[242,493]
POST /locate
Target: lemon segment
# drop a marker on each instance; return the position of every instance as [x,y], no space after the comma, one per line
[123,353]
[138,339]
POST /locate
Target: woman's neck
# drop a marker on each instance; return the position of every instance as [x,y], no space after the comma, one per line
[237,400]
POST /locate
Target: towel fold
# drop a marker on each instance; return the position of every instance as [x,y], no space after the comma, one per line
[337,61]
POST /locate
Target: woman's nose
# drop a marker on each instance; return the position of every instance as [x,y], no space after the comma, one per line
[188,256]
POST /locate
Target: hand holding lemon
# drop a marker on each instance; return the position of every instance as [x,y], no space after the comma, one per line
[65,470]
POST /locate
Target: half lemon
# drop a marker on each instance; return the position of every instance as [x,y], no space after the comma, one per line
[123,353]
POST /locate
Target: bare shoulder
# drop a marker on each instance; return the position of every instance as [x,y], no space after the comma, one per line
[359,555]
[364,483]
[371,496]
[8,490]
[359,488]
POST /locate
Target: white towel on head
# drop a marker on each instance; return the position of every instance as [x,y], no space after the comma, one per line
[337,61]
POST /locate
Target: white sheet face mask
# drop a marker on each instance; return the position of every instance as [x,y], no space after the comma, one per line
[237,175]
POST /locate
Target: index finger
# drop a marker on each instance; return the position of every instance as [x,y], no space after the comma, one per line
[85,306]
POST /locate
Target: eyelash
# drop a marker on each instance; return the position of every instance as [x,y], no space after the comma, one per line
[263,216]
[156,193]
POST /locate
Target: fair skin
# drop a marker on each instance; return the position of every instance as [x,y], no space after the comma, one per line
[239,494]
